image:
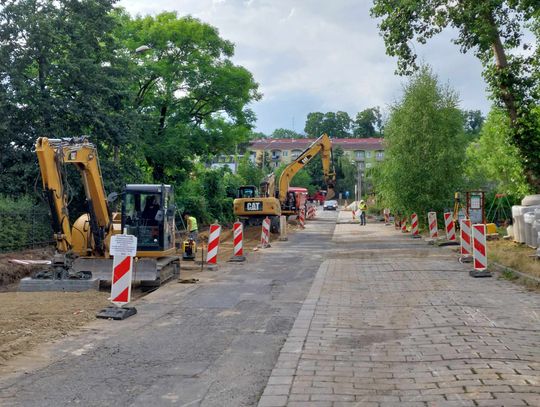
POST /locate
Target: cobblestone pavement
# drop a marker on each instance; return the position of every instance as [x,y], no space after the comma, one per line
[392,321]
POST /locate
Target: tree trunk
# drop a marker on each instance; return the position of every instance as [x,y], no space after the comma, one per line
[521,133]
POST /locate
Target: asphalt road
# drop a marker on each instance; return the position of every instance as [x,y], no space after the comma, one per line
[210,344]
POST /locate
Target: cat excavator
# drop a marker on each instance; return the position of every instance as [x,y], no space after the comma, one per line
[82,247]
[251,206]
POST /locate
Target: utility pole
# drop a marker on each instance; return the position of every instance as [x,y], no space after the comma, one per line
[359,181]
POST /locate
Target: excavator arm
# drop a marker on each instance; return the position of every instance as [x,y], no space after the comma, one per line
[53,154]
[322,146]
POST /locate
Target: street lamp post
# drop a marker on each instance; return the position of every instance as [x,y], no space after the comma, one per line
[359,181]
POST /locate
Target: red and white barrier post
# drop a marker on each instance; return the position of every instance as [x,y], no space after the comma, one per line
[414,226]
[238,237]
[404,225]
[465,240]
[450,227]
[479,251]
[213,243]
[433,228]
[301,218]
[265,233]
[123,248]
[311,212]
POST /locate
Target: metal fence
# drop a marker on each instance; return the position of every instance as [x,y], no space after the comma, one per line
[24,229]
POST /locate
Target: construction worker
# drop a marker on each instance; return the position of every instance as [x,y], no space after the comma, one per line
[362,208]
[192,227]
[386,213]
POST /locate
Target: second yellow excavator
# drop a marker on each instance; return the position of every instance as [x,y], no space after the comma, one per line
[251,205]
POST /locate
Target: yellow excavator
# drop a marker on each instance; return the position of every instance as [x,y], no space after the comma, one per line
[82,247]
[252,206]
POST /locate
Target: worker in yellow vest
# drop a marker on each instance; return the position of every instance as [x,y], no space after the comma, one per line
[192,227]
[362,208]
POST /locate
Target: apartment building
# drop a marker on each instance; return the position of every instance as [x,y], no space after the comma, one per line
[366,152]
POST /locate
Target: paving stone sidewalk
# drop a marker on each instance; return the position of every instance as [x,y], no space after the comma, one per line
[407,326]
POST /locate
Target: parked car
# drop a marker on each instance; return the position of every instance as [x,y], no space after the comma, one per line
[330,205]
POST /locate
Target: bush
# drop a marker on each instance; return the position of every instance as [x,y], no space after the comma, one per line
[23,224]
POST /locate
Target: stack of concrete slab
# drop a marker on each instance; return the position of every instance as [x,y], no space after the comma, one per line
[526,220]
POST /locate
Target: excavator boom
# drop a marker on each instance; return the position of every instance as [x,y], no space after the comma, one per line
[322,146]
[53,154]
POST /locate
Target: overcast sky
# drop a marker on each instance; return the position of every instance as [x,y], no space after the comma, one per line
[319,55]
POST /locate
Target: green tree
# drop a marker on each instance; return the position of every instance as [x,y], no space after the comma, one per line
[493,162]
[285,133]
[368,123]
[249,172]
[61,76]
[336,124]
[424,158]
[346,172]
[474,120]
[192,98]
[493,30]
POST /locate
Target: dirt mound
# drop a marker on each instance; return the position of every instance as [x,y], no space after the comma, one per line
[11,273]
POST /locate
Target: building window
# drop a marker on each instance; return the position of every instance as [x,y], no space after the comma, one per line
[359,154]
[368,154]
[295,154]
[285,153]
[379,155]
[276,154]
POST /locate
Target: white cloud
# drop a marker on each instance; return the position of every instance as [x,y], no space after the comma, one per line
[319,55]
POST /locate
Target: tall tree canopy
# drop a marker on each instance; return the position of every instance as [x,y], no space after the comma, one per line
[59,77]
[490,29]
[425,148]
[192,98]
[285,133]
[336,124]
[492,162]
[368,123]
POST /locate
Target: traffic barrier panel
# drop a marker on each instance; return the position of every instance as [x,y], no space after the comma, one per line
[123,248]
[450,227]
[465,239]
[283,228]
[311,212]
[265,233]
[301,218]
[414,225]
[213,243]
[479,251]
[238,245]
[433,228]
[404,225]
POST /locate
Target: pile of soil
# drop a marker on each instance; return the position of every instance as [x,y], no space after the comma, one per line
[11,273]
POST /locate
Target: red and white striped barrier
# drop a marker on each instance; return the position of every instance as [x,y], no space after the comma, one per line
[433,228]
[479,247]
[465,238]
[213,243]
[414,225]
[311,212]
[238,246]
[265,233]
[301,218]
[123,247]
[450,227]
[404,225]
[121,281]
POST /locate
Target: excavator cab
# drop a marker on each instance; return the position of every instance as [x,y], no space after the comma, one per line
[148,214]
[247,191]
